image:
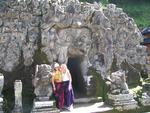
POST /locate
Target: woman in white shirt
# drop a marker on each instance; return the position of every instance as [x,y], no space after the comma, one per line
[68,91]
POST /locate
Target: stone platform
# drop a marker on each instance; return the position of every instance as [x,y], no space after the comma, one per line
[122,101]
[43,107]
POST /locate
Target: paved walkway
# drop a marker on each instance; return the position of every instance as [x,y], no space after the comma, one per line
[90,108]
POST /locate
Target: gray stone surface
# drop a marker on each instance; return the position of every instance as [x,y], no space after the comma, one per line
[145,98]
[119,95]
[41,104]
[41,82]
[42,89]
[67,28]
[122,101]
[117,83]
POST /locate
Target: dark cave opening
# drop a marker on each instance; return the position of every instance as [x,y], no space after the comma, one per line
[79,86]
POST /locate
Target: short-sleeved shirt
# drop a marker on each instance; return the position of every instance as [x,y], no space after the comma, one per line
[57,76]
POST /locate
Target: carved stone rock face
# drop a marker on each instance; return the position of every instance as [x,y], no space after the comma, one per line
[58,29]
[41,81]
[118,82]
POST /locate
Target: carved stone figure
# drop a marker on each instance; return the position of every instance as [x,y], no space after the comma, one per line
[42,89]
[41,81]
[119,95]
[118,83]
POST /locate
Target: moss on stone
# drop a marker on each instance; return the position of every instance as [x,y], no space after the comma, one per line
[97,87]
[40,57]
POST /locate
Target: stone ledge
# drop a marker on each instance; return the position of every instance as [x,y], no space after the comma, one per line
[120,97]
[45,110]
[129,102]
[43,104]
[127,107]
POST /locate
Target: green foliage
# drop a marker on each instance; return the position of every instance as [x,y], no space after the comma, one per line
[147,80]
[104,2]
[40,57]
[138,10]
[137,91]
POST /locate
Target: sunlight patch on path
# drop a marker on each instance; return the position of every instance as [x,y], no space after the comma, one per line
[90,108]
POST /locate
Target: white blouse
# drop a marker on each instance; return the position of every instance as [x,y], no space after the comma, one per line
[65,77]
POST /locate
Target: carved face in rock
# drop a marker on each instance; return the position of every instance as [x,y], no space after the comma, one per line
[77,40]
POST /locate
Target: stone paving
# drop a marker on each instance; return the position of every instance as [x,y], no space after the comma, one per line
[90,108]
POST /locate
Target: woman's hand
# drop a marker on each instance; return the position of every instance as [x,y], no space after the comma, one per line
[70,87]
[54,89]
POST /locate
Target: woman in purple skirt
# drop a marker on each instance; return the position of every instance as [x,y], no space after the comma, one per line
[67,84]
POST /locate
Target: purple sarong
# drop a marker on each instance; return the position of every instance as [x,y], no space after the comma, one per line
[68,94]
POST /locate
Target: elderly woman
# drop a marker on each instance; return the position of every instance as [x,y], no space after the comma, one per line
[57,85]
[67,84]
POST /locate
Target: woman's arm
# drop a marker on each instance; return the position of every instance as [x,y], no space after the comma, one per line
[69,76]
[53,83]
[70,79]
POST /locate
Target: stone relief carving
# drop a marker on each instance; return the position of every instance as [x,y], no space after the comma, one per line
[41,81]
[59,28]
[117,82]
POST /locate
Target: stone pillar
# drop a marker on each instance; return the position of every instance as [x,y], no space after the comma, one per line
[1,88]
[18,97]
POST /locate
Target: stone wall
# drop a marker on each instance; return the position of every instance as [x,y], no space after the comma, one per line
[62,29]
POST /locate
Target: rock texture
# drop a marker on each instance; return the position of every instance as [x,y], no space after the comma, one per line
[145,96]
[41,81]
[60,29]
[123,102]
[117,83]
[119,95]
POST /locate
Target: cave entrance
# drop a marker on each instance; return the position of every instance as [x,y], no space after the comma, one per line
[78,83]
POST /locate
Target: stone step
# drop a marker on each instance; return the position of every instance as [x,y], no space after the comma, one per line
[46,110]
[41,104]
[48,106]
